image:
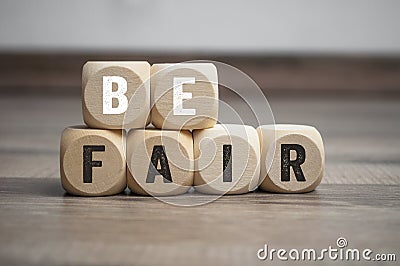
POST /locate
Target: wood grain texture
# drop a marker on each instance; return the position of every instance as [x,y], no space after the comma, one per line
[311,159]
[33,126]
[220,172]
[358,198]
[160,162]
[136,75]
[128,229]
[203,100]
[86,171]
[52,73]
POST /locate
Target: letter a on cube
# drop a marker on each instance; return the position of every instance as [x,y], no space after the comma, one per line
[160,162]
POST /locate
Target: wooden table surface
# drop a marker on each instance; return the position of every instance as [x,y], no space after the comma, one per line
[358,198]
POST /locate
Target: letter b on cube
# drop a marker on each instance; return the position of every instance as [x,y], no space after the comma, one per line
[116,95]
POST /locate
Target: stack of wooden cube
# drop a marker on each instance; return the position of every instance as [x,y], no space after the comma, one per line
[184,147]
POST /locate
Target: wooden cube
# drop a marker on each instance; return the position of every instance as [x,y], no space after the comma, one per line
[92,161]
[160,162]
[116,95]
[184,96]
[292,158]
[226,159]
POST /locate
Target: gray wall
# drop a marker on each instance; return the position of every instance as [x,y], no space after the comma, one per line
[227,26]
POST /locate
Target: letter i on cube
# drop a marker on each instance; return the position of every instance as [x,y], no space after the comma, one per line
[227,159]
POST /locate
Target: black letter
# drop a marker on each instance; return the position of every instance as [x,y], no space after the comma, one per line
[286,162]
[158,155]
[227,163]
[88,163]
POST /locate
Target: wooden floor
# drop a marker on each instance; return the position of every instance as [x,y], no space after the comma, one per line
[359,198]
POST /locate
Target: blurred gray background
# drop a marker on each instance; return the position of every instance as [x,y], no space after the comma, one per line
[331,64]
[207,26]
[350,46]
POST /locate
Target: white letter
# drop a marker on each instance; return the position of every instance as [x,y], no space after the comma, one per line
[281,254]
[322,256]
[179,95]
[109,94]
[262,250]
[366,254]
[331,255]
[296,252]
